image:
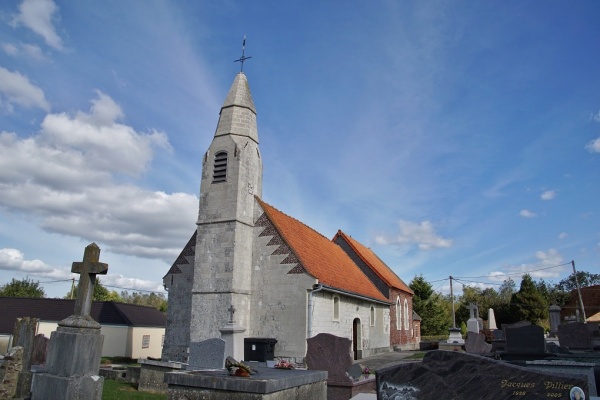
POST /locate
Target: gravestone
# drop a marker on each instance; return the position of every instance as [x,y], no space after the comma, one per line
[40,349]
[472,323]
[326,352]
[554,316]
[575,336]
[526,339]
[73,361]
[10,369]
[454,375]
[23,336]
[208,354]
[491,320]
[476,344]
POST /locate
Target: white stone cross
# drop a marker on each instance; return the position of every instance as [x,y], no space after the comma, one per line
[88,269]
[472,307]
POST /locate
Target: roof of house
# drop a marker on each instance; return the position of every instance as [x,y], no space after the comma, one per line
[375,263]
[54,310]
[320,257]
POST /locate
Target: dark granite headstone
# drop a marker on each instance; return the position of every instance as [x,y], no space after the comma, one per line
[575,335]
[40,349]
[527,339]
[476,344]
[208,354]
[330,353]
[454,375]
[516,325]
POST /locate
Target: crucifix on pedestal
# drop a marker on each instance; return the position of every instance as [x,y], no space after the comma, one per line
[88,269]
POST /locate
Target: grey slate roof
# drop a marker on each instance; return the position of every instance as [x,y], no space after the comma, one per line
[54,310]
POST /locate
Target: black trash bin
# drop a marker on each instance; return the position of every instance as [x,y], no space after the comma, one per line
[259,349]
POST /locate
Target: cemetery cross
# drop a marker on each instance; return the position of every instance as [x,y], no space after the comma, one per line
[88,269]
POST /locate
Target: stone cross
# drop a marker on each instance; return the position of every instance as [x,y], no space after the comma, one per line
[472,307]
[88,269]
[231,310]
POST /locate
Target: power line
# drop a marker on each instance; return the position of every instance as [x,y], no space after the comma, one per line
[512,274]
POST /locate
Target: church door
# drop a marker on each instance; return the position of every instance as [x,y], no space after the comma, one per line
[356,339]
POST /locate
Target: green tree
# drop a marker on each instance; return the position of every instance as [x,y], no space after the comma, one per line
[157,301]
[528,303]
[100,293]
[584,278]
[431,307]
[22,288]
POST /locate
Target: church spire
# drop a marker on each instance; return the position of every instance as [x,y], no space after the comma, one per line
[238,114]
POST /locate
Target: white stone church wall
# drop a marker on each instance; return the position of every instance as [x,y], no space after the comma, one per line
[279,300]
[373,338]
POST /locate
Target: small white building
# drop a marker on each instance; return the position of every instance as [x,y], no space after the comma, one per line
[129,330]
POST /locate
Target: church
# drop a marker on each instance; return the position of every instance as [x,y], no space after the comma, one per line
[284,280]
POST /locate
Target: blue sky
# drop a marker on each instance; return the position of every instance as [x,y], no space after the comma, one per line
[454,138]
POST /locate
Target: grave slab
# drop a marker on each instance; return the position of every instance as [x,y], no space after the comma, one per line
[265,384]
[575,336]
[152,375]
[453,375]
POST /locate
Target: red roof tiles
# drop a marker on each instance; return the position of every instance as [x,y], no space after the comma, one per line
[375,263]
[320,257]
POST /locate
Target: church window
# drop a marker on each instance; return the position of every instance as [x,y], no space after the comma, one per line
[398,314]
[220,167]
[336,308]
[406,315]
[372,319]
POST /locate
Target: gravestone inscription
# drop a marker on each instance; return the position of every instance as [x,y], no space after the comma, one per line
[454,375]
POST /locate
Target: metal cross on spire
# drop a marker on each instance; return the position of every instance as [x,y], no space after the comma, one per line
[243,57]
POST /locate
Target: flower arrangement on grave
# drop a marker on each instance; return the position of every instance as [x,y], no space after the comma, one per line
[366,371]
[285,364]
[237,368]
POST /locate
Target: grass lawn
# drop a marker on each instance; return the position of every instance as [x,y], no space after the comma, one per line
[416,356]
[115,390]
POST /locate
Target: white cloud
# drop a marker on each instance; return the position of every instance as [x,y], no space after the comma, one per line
[13,260]
[593,146]
[563,235]
[17,89]
[37,15]
[423,234]
[10,49]
[548,195]
[596,117]
[527,214]
[64,176]
[547,266]
[30,50]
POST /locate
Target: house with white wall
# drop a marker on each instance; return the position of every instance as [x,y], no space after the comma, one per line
[129,330]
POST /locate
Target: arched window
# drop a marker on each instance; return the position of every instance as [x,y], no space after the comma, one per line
[336,308]
[398,314]
[372,319]
[406,319]
[220,167]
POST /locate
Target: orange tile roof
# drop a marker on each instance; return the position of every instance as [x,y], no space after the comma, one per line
[376,264]
[320,257]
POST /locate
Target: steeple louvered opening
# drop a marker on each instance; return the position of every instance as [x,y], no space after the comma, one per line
[220,167]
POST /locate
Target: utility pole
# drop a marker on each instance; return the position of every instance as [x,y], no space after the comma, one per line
[579,291]
[452,297]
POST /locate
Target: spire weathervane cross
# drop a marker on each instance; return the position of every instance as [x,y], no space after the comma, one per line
[243,57]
